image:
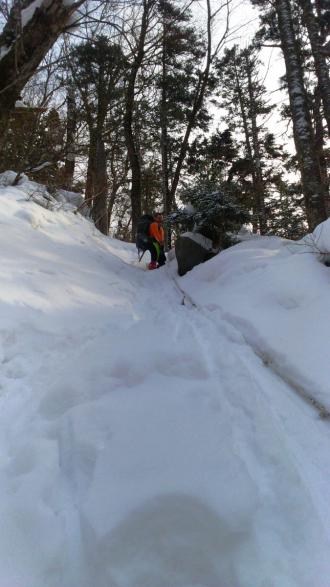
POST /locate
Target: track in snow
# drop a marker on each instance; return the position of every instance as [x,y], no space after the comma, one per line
[220,491]
[160,452]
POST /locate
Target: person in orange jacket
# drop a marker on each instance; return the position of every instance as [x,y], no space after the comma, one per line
[156,234]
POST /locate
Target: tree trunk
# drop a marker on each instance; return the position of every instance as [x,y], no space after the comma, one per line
[319,146]
[131,143]
[197,105]
[111,204]
[91,168]
[167,199]
[258,203]
[304,139]
[25,49]
[321,66]
[258,180]
[100,201]
[71,124]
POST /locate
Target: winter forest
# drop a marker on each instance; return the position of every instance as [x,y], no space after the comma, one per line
[165,428]
[134,103]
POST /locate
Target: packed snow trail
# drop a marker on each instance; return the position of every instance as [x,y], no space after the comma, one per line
[143,443]
[208,502]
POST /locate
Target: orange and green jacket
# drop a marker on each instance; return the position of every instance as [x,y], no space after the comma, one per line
[157,232]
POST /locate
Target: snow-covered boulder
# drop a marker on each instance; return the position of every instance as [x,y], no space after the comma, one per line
[191,249]
[318,242]
[73,198]
[39,193]
[7,178]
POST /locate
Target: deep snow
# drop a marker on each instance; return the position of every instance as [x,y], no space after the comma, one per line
[144,443]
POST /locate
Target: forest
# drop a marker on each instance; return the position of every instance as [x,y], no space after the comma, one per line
[142,105]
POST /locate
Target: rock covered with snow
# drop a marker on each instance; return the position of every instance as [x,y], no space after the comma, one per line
[198,238]
[66,197]
[320,239]
[40,194]
[191,249]
[20,104]
[7,178]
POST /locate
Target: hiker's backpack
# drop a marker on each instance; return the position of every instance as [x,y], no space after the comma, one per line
[142,234]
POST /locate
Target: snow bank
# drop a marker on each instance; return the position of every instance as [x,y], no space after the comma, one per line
[57,292]
[276,293]
[143,443]
[319,241]
[31,190]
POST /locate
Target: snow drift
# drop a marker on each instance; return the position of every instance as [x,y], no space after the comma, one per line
[277,293]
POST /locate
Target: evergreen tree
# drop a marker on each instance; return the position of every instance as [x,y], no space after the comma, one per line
[244,97]
[211,158]
[34,143]
[210,210]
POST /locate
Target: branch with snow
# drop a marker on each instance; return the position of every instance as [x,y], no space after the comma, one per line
[25,40]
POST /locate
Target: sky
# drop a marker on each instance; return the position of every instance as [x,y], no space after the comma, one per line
[244,22]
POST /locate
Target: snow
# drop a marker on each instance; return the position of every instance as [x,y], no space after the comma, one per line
[198,238]
[72,198]
[144,442]
[20,104]
[4,49]
[319,241]
[277,293]
[28,12]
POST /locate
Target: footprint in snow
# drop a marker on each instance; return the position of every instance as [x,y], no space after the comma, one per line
[172,540]
[47,272]
[59,400]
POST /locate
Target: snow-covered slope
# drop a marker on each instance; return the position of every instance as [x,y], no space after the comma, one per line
[278,295]
[143,441]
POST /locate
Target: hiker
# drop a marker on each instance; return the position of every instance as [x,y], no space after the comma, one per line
[156,233]
[150,237]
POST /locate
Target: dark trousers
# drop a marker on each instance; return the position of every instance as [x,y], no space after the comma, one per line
[157,253]
[162,256]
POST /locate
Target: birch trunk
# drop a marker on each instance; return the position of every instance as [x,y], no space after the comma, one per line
[313,189]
